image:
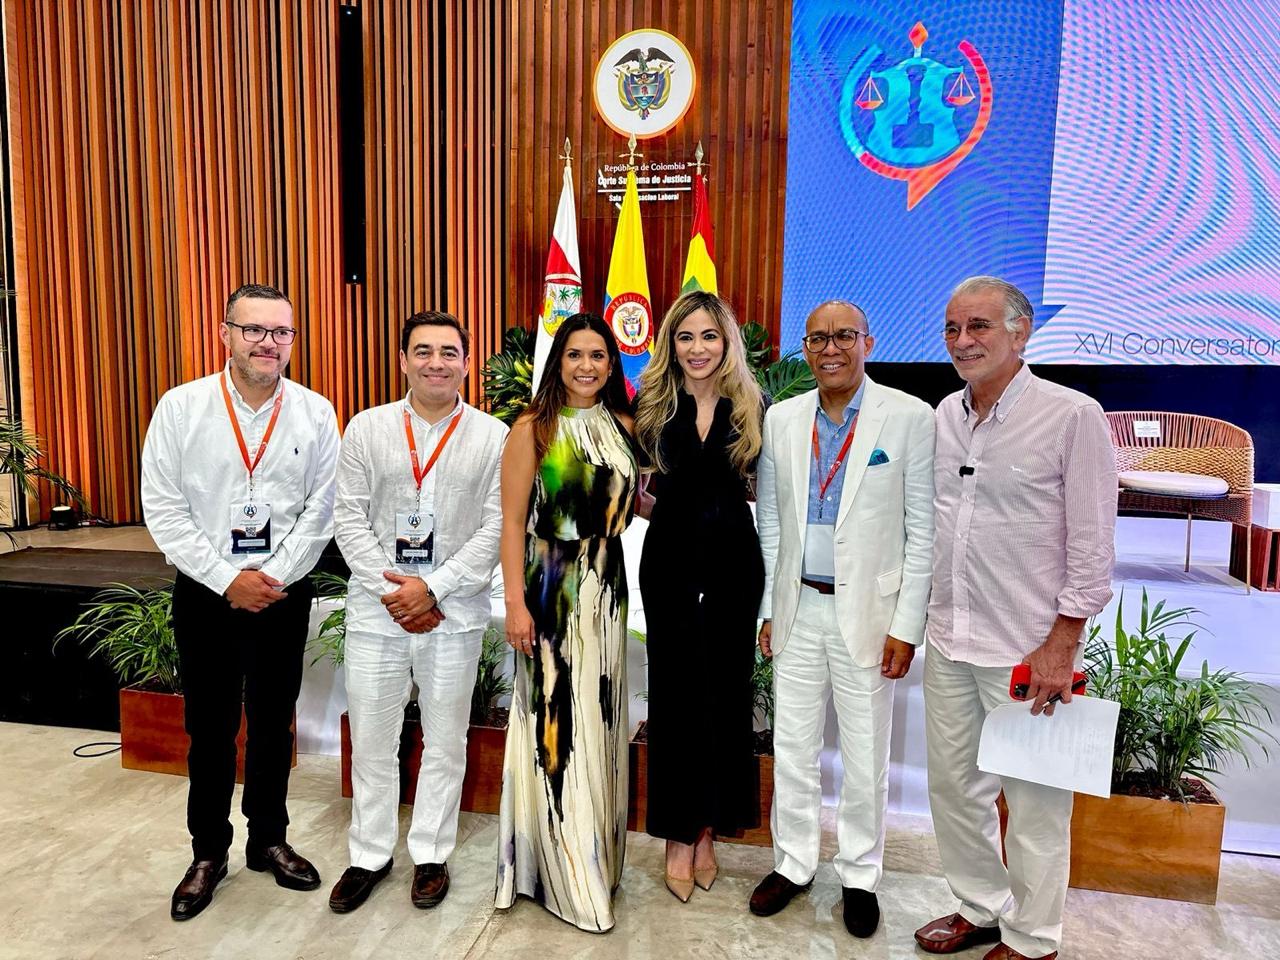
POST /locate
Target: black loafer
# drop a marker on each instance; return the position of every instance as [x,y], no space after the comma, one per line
[354,886]
[430,884]
[195,892]
[289,869]
[861,912]
[773,893]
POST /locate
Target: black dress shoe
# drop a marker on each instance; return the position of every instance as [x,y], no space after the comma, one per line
[773,893]
[289,869]
[430,884]
[354,886]
[195,891]
[861,912]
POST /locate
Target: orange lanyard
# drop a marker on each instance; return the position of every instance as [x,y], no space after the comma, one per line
[420,473]
[835,467]
[235,425]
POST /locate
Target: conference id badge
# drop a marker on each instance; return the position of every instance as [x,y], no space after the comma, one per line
[415,537]
[250,527]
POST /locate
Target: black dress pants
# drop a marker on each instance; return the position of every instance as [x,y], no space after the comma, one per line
[229,657]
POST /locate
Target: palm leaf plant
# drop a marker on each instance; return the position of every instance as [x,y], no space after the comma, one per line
[508,376]
[491,683]
[1172,727]
[329,639]
[132,629]
[787,377]
[21,456]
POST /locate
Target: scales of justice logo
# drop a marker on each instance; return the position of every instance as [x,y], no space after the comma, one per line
[916,119]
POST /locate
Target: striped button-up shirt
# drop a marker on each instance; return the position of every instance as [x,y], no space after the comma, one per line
[822,511]
[1028,531]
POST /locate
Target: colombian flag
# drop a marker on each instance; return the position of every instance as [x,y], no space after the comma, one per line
[626,291]
[700,267]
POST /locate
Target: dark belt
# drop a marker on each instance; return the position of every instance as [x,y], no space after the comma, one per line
[827,588]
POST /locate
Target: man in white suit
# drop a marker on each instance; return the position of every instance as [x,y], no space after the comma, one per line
[845,514]
[418,517]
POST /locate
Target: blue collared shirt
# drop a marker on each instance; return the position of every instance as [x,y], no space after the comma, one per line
[830,438]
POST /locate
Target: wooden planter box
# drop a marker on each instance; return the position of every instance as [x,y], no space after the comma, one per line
[1143,847]
[638,796]
[482,783]
[1147,848]
[153,736]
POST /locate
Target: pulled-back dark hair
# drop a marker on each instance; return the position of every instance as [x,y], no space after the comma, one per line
[552,396]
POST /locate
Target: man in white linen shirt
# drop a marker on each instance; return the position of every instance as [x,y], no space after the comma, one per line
[237,490]
[418,520]
[1025,504]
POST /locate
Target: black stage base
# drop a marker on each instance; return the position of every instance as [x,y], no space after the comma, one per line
[42,590]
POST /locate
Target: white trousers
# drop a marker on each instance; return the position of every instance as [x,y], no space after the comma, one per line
[814,665]
[380,671]
[1027,897]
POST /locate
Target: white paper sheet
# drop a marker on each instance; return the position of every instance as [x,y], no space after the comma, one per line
[1072,750]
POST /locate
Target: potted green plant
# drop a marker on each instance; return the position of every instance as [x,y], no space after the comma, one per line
[1160,833]
[20,458]
[132,629]
[508,376]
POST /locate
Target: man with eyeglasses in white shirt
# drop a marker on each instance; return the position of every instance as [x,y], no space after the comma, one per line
[418,518]
[845,511]
[237,490]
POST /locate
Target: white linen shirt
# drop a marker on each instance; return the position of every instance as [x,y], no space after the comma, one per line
[1028,534]
[193,472]
[375,482]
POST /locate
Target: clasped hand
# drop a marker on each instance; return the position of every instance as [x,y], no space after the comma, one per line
[254,591]
[411,606]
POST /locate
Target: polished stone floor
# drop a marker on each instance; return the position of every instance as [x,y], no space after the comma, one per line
[90,852]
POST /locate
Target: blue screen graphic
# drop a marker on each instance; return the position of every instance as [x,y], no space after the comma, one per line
[1116,161]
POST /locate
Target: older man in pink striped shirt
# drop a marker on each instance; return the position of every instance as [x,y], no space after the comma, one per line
[1025,508]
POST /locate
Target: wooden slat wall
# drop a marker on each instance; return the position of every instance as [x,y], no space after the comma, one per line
[166,151]
[741,50]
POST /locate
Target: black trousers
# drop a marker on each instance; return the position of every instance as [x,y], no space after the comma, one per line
[229,657]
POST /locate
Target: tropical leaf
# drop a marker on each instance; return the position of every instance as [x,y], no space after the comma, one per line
[787,377]
[755,338]
[20,456]
[132,630]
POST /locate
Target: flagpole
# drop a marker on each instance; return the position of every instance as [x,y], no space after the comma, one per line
[567,156]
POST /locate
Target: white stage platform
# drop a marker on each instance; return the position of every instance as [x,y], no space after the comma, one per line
[1149,553]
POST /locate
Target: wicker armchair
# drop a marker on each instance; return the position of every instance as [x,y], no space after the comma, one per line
[1188,444]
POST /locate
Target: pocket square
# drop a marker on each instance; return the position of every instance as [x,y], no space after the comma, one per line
[878,457]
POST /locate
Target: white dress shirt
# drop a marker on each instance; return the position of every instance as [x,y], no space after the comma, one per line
[462,491]
[1028,534]
[193,472]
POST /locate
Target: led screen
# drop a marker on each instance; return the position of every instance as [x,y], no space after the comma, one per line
[1118,161]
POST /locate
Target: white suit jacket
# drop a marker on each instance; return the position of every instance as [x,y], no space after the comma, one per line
[884,526]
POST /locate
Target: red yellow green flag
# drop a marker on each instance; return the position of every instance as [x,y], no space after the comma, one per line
[699,266]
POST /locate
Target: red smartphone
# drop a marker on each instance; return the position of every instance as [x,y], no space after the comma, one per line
[1020,682]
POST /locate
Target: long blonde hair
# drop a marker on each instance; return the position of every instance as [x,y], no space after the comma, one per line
[662,379]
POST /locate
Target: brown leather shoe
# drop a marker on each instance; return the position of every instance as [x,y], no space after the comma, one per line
[289,869]
[1005,952]
[195,892]
[430,884]
[953,934]
[773,893]
[354,886]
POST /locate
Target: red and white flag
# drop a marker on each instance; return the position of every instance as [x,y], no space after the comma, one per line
[563,290]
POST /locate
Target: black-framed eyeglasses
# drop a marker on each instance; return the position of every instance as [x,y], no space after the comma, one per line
[256,334]
[845,339]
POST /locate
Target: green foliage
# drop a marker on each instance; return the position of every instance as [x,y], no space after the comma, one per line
[785,378]
[330,639]
[20,457]
[132,629]
[755,337]
[508,376]
[762,689]
[1171,726]
[491,685]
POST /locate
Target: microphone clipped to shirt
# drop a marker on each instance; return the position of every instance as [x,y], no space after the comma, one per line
[966,470]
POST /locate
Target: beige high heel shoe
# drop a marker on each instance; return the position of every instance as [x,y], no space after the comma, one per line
[681,889]
[706,876]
